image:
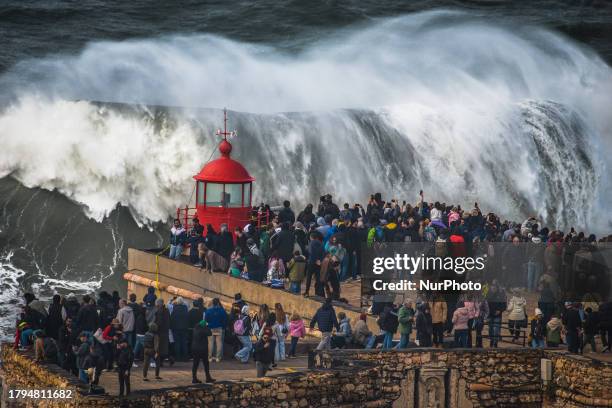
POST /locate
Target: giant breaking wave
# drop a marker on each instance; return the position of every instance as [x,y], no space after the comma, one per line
[515,118]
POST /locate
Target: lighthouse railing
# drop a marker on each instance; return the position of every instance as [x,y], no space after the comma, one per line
[258,219]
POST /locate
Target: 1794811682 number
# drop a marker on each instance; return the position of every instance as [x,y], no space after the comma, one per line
[39,394]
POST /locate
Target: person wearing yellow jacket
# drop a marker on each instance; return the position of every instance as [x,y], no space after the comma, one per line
[439,311]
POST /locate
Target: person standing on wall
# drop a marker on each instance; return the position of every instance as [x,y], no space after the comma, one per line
[178,238]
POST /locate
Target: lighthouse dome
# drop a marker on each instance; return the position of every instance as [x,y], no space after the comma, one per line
[224,169]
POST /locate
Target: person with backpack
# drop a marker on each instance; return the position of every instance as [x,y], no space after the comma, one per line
[242,329]
[151,351]
[199,351]
[125,360]
[376,233]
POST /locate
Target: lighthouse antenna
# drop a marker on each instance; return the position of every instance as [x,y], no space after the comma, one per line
[225,133]
[225,123]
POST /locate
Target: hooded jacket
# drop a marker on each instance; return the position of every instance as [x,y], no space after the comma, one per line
[87,319]
[516,307]
[325,318]
[461,318]
[216,317]
[361,332]
[296,328]
[199,343]
[404,318]
[126,317]
[297,268]
[150,298]
[178,236]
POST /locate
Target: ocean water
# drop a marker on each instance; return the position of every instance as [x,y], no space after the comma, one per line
[107,110]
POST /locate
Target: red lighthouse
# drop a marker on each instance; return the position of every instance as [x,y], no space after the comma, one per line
[223,190]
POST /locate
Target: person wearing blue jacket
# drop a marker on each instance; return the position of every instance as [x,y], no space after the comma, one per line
[325,319]
[216,319]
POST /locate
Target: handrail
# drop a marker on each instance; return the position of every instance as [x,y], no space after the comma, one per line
[184,214]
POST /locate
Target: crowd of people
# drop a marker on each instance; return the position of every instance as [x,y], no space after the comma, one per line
[316,250]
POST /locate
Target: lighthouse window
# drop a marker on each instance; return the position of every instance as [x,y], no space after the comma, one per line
[233,194]
[214,194]
[200,192]
[247,194]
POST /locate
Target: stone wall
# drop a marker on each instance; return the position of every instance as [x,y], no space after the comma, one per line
[457,378]
[579,381]
[360,378]
[186,276]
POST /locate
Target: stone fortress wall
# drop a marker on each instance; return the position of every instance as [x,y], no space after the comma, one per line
[359,378]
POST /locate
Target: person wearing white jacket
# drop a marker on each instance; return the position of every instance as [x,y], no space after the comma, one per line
[517,317]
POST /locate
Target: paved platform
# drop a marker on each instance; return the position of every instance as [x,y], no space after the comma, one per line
[179,375]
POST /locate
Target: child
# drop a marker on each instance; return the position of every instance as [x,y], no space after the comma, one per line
[297,330]
[589,325]
[344,335]
[275,273]
[297,269]
[538,330]
[194,255]
[81,354]
[125,359]
[553,332]
[236,263]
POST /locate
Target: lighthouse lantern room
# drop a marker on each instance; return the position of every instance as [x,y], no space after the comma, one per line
[223,189]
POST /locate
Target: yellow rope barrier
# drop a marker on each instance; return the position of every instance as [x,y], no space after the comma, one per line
[157,268]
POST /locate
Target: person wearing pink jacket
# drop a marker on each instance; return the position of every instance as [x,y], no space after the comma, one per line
[297,330]
[461,318]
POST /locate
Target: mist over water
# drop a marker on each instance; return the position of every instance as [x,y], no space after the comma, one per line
[516,118]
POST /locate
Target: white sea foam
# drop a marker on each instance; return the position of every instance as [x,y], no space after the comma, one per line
[471,100]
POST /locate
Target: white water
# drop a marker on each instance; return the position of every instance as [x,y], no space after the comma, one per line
[463,96]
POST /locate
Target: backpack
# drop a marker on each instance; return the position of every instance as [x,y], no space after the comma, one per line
[239,327]
[50,349]
[149,340]
[429,233]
